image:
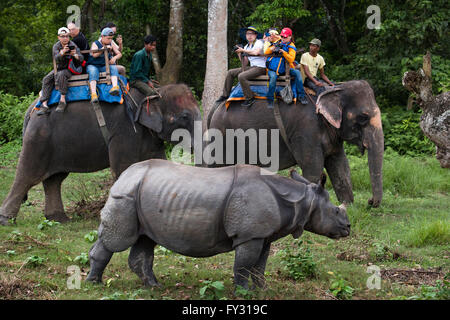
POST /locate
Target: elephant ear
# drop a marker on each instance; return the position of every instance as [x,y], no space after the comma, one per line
[151,116]
[329,105]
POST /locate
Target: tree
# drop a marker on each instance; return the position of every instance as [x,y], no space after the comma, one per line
[336,22]
[174,52]
[435,120]
[216,57]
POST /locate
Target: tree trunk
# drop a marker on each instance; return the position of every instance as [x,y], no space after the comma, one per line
[155,56]
[217,56]
[336,22]
[435,120]
[85,24]
[101,13]
[90,18]
[174,52]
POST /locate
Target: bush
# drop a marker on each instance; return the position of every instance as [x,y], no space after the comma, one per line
[403,134]
[12,112]
[298,263]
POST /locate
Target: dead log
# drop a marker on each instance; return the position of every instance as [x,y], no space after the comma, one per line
[435,119]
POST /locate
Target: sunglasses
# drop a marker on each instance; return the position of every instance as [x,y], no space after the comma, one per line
[285,37]
[64,36]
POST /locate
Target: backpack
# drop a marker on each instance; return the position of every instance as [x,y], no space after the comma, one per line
[278,64]
[75,67]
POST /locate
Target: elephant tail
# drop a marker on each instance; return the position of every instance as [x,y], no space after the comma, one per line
[27,116]
[211,113]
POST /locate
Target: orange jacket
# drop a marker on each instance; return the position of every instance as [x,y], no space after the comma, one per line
[289,56]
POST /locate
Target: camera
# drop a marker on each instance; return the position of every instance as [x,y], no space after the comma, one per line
[237,46]
[71,47]
[277,47]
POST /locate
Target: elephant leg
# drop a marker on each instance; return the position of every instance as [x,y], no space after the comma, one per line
[246,258]
[54,208]
[309,157]
[140,260]
[11,204]
[99,257]
[257,272]
[339,172]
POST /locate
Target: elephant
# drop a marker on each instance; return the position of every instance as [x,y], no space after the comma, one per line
[316,133]
[59,143]
[201,212]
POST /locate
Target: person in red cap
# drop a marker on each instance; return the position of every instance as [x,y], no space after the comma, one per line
[276,66]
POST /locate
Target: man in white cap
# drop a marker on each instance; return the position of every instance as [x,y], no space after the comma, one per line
[312,62]
[63,51]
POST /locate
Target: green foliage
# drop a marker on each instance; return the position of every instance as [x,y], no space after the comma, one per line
[91,237]
[340,288]
[278,13]
[433,233]
[47,224]
[12,112]
[439,292]
[408,30]
[34,261]
[212,290]
[299,262]
[82,259]
[244,293]
[402,133]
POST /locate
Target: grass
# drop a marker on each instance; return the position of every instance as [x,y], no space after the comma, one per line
[409,232]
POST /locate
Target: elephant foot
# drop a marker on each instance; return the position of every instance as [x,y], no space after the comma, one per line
[374,203]
[58,217]
[6,221]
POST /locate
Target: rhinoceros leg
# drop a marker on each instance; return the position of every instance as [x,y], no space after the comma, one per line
[257,271]
[246,258]
[140,260]
[99,258]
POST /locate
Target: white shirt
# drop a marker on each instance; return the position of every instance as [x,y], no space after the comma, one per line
[256,61]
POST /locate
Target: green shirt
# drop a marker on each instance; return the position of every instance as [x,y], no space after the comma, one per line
[140,66]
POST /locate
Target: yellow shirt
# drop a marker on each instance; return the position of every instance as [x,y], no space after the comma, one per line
[313,63]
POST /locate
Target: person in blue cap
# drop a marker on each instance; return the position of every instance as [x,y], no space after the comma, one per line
[254,50]
[96,63]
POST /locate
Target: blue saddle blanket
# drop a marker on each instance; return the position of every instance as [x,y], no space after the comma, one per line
[260,92]
[80,93]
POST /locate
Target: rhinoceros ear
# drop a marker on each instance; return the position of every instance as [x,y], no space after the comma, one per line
[294,175]
[285,189]
[329,105]
[151,116]
[321,182]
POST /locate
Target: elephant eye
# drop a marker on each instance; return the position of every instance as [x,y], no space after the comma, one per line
[362,119]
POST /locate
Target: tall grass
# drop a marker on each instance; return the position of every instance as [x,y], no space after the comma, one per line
[432,233]
[402,175]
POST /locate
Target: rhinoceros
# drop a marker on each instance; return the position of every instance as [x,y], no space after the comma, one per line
[201,212]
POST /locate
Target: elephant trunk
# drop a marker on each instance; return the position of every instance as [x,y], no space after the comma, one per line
[374,142]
